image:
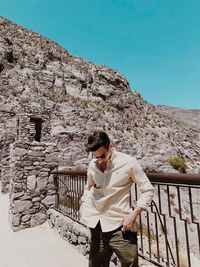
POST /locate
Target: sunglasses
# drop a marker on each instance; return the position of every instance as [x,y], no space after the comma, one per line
[103,156]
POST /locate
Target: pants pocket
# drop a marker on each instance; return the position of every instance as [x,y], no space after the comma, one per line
[130,236]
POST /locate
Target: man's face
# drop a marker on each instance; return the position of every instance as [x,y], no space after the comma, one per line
[102,154]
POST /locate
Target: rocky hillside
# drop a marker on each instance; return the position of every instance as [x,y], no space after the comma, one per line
[37,75]
[189,116]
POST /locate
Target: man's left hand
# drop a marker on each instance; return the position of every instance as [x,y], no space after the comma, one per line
[130,219]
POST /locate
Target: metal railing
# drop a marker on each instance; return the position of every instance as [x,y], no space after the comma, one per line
[169,232]
[70,186]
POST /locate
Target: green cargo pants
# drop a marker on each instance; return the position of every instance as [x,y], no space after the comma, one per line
[124,244]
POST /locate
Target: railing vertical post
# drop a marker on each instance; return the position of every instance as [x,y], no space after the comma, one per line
[57,191]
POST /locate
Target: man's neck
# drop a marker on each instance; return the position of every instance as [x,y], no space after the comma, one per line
[102,166]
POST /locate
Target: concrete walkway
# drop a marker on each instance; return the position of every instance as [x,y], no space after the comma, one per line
[34,247]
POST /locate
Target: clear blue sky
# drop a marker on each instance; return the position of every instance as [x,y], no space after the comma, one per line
[154,43]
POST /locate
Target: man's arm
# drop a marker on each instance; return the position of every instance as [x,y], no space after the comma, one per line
[89,184]
[147,190]
[85,196]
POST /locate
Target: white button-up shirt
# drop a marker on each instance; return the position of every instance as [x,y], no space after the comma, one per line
[107,194]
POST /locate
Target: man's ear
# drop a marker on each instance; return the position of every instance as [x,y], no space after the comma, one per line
[111,145]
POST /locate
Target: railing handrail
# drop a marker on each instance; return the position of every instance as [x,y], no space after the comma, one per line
[160,177]
[178,178]
[69,172]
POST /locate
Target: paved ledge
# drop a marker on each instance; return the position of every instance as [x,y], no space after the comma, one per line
[38,246]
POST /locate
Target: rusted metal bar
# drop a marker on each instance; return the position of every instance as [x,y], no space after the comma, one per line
[193,179]
[70,189]
[70,173]
[149,233]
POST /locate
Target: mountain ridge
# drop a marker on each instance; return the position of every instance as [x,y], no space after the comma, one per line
[190,116]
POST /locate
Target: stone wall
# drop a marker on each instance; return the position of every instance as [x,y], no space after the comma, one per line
[17,128]
[79,236]
[7,136]
[74,233]
[32,188]
[5,178]
[69,230]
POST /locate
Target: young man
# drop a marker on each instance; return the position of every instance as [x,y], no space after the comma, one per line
[106,202]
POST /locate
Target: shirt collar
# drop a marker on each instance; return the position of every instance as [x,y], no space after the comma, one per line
[113,155]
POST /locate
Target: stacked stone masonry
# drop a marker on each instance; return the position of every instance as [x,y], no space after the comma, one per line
[74,233]
[27,175]
[32,188]
[71,231]
[16,128]
[7,136]
[79,236]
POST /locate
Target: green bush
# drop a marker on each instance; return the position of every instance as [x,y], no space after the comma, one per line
[178,163]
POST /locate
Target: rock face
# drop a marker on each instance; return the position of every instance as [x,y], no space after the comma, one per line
[38,76]
[189,116]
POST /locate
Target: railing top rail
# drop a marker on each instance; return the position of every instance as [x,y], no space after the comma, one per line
[174,178]
[70,172]
[190,179]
